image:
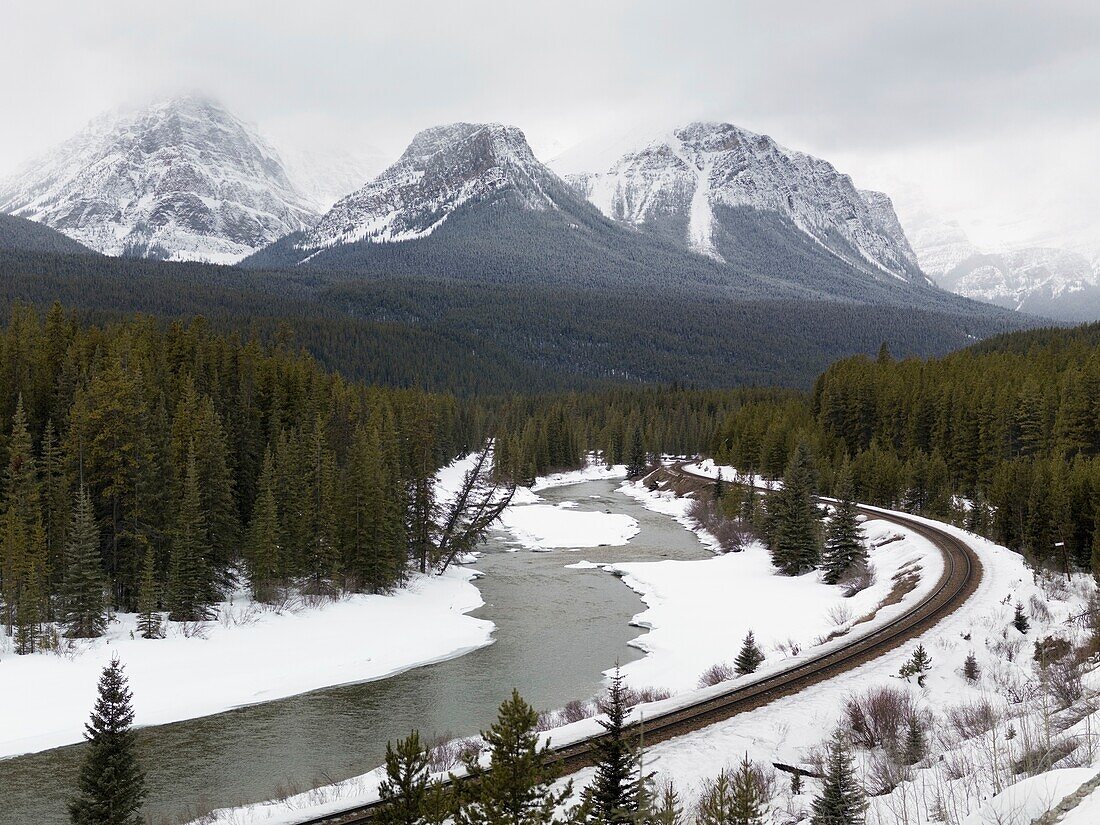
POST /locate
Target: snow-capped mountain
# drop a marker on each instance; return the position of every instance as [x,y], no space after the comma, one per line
[1043,280]
[695,183]
[443,169]
[182,179]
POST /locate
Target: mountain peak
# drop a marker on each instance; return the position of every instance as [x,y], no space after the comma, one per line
[443,169]
[180,178]
[695,183]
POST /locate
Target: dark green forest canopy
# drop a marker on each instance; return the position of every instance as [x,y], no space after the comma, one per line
[1011,424]
[478,338]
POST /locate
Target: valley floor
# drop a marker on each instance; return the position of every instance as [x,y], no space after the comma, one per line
[687,633]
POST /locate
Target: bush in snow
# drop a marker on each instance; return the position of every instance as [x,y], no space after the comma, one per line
[919,665]
[750,657]
[972,671]
[878,715]
[715,674]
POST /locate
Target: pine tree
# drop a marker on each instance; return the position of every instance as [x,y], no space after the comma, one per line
[971,669]
[796,783]
[914,742]
[719,486]
[404,791]
[190,590]
[669,810]
[84,608]
[516,788]
[263,546]
[747,799]
[148,623]
[1019,621]
[716,803]
[612,796]
[841,801]
[750,657]
[844,540]
[637,462]
[794,518]
[919,665]
[112,783]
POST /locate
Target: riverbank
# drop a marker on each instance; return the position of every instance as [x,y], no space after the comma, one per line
[250,654]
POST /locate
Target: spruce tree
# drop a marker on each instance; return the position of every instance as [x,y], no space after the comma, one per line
[148,623]
[637,462]
[914,742]
[794,518]
[747,799]
[841,801]
[919,665]
[84,609]
[669,809]
[516,787]
[112,783]
[844,540]
[716,804]
[1019,620]
[796,783]
[263,545]
[972,671]
[404,791]
[750,657]
[612,795]
[190,589]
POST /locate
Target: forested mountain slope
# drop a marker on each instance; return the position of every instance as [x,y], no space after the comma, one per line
[471,337]
[22,235]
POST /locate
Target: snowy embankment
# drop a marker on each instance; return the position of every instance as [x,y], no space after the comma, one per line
[249,654]
[958,779]
[697,614]
[699,611]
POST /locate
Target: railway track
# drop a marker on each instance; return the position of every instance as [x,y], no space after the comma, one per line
[960,578]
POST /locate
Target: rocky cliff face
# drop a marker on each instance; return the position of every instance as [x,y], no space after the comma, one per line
[697,180]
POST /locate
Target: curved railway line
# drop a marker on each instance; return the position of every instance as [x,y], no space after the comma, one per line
[961,575]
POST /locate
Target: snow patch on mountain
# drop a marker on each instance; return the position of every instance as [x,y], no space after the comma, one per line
[443,169]
[680,177]
[182,179]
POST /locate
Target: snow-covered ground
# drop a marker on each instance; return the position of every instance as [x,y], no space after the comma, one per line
[249,655]
[697,613]
[253,653]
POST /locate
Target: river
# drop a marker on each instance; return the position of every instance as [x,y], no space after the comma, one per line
[557,630]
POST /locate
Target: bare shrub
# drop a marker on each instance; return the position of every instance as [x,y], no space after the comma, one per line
[1039,610]
[839,614]
[706,514]
[1012,685]
[883,774]
[1064,683]
[859,576]
[638,696]
[972,719]
[716,674]
[1054,586]
[548,720]
[1042,756]
[876,716]
[1051,649]
[1007,648]
[788,648]
[576,710]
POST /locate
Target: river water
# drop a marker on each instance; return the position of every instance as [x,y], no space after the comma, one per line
[557,630]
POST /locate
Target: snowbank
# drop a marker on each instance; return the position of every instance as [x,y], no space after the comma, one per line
[250,655]
[1025,801]
[699,611]
[711,470]
[545,527]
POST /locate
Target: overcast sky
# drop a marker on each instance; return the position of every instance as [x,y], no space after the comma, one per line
[991,110]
